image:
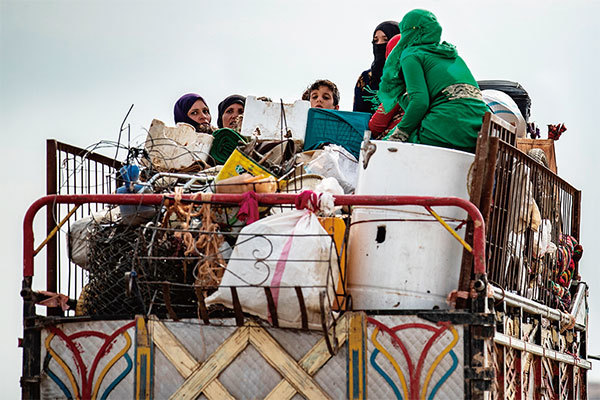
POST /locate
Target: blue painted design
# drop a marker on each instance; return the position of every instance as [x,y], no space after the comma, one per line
[143,377]
[384,375]
[446,375]
[56,379]
[355,386]
[119,378]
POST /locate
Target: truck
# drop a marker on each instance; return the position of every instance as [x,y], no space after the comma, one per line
[463,283]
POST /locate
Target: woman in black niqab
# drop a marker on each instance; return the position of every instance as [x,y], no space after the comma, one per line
[368,82]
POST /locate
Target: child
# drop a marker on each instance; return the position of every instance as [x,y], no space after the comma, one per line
[323,94]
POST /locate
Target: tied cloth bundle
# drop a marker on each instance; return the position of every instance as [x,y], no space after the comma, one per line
[569,252]
[554,131]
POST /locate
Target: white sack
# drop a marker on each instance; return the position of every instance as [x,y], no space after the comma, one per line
[290,259]
[80,231]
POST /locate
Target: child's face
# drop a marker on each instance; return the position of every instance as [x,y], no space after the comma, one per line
[322,98]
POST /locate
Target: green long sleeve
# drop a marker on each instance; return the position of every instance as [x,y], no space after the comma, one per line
[416,102]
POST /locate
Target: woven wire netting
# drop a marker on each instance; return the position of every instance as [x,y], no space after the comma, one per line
[140,270]
[166,266]
[111,257]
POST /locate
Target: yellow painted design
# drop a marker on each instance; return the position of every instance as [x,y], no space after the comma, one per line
[356,343]
[140,352]
[143,348]
[437,361]
[63,365]
[110,364]
[391,360]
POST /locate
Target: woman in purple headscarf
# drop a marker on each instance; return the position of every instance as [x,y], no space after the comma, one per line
[192,109]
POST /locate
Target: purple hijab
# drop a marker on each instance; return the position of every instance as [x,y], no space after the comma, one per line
[182,107]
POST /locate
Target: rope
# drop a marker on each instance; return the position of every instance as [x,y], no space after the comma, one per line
[209,269]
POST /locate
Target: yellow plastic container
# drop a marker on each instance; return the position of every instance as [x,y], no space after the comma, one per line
[337,227]
[238,163]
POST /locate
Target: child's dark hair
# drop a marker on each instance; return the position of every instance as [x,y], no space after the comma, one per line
[327,84]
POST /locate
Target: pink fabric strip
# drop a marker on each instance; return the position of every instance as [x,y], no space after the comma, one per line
[280,267]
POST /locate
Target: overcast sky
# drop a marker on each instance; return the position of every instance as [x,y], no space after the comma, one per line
[69,70]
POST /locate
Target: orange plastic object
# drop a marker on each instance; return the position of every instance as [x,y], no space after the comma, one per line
[337,227]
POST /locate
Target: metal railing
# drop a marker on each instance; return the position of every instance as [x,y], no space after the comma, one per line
[478,247]
[529,211]
[71,170]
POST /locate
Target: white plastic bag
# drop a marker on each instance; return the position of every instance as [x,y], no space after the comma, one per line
[336,162]
[80,232]
[282,251]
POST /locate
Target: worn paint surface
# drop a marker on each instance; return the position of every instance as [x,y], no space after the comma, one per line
[89,360]
[410,358]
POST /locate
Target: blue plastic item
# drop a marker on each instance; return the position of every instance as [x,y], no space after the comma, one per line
[345,128]
[130,174]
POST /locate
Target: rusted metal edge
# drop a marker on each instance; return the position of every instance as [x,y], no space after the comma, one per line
[302,306]
[202,310]
[237,307]
[167,297]
[538,350]
[271,306]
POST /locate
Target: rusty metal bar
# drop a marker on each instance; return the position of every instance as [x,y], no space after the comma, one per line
[271,306]
[51,189]
[79,152]
[166,287]
[237,307]
[518,344]
[302,306]
[202,310]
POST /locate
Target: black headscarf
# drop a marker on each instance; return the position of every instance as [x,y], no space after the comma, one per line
[391,29]
[224,105]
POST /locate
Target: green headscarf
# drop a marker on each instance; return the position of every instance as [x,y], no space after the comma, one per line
[421,32]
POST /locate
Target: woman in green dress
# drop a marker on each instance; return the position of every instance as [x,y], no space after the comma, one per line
[442,102]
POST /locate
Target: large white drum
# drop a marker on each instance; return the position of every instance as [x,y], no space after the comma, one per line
[401,257]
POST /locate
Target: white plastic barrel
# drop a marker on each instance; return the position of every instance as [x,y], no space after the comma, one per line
[411,264]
